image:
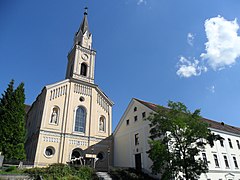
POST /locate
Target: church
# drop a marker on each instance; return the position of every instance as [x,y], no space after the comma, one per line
[71,120]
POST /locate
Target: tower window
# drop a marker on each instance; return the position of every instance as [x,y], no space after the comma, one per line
[80,120]
[83,69]
[127,122]
[135,118]
[143,114]
[135,109]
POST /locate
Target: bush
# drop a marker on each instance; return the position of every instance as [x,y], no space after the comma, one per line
[62,172]
[11,168]
[130,173]
[84,172]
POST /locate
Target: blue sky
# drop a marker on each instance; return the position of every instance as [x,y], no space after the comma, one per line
[154,50]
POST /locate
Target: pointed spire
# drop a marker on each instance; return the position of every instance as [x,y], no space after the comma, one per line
[83,36]
[84,26]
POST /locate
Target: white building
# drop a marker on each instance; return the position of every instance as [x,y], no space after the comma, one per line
[131,144]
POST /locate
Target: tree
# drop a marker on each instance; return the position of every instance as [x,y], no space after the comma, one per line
[12,120]
[177,137]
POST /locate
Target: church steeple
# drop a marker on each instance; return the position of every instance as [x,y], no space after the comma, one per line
[81,59]
[83,36]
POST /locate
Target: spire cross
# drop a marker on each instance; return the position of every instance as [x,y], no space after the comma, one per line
[86,9]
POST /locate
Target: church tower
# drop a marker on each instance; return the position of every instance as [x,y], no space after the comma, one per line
[71,120]
[81,59]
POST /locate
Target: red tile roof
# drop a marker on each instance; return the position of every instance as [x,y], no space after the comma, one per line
[212,124]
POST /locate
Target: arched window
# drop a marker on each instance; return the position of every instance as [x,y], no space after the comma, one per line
[102,123]
[55,115]
[83,69]
[80,120]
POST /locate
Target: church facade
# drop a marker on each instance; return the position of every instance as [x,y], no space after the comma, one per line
[71,120]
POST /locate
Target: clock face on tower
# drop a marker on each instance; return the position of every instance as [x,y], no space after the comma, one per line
[84,57]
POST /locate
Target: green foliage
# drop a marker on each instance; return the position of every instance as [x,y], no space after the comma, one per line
[177,137]
[12,120]
[62,172]
[130,173]
[11,168]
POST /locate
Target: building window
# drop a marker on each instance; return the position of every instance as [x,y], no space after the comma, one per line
[135,118]
[102,123]
[230,143]
[143,114]
[226,161]
[55,115]
[83,69]
[135,109]
[49,151]
[216,160]
[80,120]
[238,145]
[127,122]
[204,158]
[221,142]
[136,139]
[235,162]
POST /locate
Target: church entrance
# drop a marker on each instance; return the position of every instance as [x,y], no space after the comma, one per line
[138,162]
[77,157]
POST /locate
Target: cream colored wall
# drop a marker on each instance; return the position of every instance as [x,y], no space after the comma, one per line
[124,137]
[66,95]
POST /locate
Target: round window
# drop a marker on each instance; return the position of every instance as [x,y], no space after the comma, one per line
[101,155]
[81,98]
[49,151]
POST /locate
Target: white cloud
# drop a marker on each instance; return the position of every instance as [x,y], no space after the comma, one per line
[211,89]
[223,45]
[190,38]
[189,67]
[141,2]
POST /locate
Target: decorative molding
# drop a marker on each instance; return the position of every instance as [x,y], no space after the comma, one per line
[73,136]
[101,101]
[51,139]
[78,143]
[57,134]
[83,49]
[81,89]
[57,92]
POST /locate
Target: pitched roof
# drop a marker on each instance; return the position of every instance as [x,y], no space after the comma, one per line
[212,124]
[27,107]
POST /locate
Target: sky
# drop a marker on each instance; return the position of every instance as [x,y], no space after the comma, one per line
[154,50]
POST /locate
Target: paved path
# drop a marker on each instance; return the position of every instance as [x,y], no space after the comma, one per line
[103,176]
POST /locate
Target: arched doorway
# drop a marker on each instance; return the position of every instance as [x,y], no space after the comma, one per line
[77,156]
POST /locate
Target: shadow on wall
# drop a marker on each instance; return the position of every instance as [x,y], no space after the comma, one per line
[98,156]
